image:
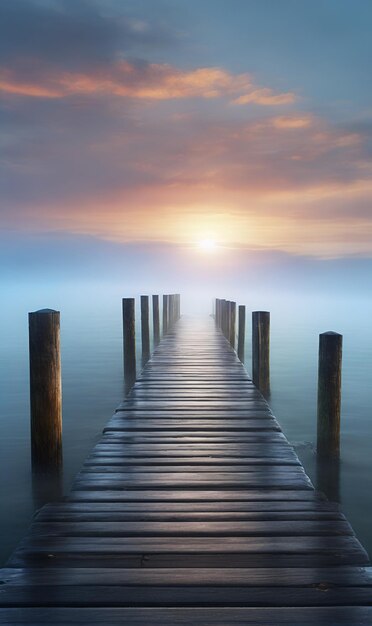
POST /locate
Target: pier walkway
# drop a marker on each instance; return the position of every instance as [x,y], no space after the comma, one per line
[191,509]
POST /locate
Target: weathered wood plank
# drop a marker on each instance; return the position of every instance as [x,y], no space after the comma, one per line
[192,479]
[215,468]
[251,450]
[226,577]
[270,528]
[315,616]
[183,596]
[196,463]
[336,548]
[192,426]
[194,495]
[308,505]
[186,516]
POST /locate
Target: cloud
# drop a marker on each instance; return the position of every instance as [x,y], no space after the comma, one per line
[136,79]
[292,121]
[266,97]
[61,49]
[73,34]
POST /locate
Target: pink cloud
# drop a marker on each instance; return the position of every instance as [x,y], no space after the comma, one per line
[142,81]
[266,97]
[292,121]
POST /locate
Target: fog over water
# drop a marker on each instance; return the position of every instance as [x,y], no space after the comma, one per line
[91,338]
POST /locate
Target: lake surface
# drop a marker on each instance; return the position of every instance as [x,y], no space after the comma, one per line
[91,337]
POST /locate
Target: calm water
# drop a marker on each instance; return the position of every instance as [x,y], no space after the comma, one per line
[92,385]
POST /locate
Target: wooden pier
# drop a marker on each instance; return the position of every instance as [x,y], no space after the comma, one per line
[191,509]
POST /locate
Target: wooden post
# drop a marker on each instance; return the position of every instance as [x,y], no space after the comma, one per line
[45,389]
[223,316]
[171,310]
[329,395]
[156,319]
[129,333]
[174,308]
[165,314]
[217,316]
[228,319]
[145,329]
[232,323]
[261,350]
[241,333]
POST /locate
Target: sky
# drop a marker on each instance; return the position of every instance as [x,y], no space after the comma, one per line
[149,126]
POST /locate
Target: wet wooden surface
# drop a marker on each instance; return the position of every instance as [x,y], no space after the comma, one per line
[191,509]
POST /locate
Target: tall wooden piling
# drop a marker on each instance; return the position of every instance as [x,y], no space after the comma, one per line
[165,313]
[145,329]
[232,323]
[225,317]
[171,310]
[219,320]
[174,308]
[261,350]
[223,313]
[45,389]
[156,319]
[129,335]
[241,332]
[228,319]
[329,395]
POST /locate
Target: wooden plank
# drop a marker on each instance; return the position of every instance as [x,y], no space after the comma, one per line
[192,479]
[254,437]
[255,528]
[293,616]
[192,552]
[201,413]
[186,516]
[198,463]
[257,449]
[165,405]
[196,495]
[182,596]
[189,431]
[288,506]
[154,467]
[166,425]
[278,577]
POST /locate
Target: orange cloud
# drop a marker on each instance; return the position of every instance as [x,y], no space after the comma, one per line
[266,97]
[294,121]
[9,85]
[144,81]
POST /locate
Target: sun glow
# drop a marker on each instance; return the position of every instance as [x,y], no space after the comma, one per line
[207,245]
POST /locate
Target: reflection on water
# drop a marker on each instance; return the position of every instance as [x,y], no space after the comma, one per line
[92,363]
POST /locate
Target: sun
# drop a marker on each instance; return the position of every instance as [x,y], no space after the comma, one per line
[207,245]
